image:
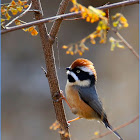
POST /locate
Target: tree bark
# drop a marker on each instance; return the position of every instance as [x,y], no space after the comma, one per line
[47,44]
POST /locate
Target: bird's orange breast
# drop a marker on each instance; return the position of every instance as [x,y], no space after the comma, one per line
[81,109]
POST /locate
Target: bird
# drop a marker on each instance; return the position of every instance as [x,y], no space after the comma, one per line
[81,93]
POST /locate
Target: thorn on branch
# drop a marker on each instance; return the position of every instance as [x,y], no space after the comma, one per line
[44,71]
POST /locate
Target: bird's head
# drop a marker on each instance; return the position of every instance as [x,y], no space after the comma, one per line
[82,73]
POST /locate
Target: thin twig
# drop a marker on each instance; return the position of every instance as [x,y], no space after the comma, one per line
[119,4]
[45,20]
[74,18]
[44,71]
[56,25]
[69,15]
[119,127]
[33,10]
[126,43]
[21,15]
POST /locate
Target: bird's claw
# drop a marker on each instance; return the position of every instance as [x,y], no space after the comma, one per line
[58,96]
[68,124]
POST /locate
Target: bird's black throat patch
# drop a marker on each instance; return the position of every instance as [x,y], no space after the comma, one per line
[71,79]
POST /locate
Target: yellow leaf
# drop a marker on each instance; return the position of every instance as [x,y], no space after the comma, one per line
[80,53]
[73,1]
[76,10]
[88,19]
[17,22]
[73,9]
[83,40]
[67,52]
[61,132]
[104,27]
[13,3]
[116,15]
[71,53]
[102,41]
[97,11]
[111,39]
[65,47]
[96,133]
[26,6]
[86,48]
[7,16]
[123,19]
[126,25]
[115,24]
[20,2]
[90,14]
[112,46]
[66,134]
[51,127]
[84,14]
[30,29]
[34,32]
[3,10]
[81,7]
[92,20]
[14,11]
[25,29]
[2,19]
[19,8]
[120,46]
[98,28]
[24,2]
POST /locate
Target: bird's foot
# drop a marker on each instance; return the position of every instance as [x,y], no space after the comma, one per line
[59,96]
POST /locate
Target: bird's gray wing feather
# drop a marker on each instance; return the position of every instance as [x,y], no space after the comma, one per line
[90,97]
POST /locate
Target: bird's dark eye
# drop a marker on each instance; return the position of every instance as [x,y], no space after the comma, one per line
[78,71]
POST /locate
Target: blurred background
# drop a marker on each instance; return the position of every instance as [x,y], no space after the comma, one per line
[27,109]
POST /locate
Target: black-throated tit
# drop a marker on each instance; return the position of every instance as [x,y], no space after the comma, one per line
[81,93]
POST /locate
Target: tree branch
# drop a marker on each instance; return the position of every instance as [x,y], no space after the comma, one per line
[47,45]
[126,43]
[45,20]
[119,4]
[121,126]
[56,25]
[69,15]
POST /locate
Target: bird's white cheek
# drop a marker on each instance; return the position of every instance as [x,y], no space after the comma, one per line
[83,83]
[73,75]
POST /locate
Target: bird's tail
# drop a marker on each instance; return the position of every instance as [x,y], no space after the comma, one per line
[108,126]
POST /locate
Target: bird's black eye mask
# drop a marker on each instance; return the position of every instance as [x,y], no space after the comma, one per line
[82,75]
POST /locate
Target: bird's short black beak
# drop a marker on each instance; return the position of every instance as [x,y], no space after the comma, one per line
[68,68]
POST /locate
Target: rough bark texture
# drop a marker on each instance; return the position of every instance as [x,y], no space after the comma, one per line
[47,44]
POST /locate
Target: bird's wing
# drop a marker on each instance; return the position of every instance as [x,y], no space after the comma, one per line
[90,97]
